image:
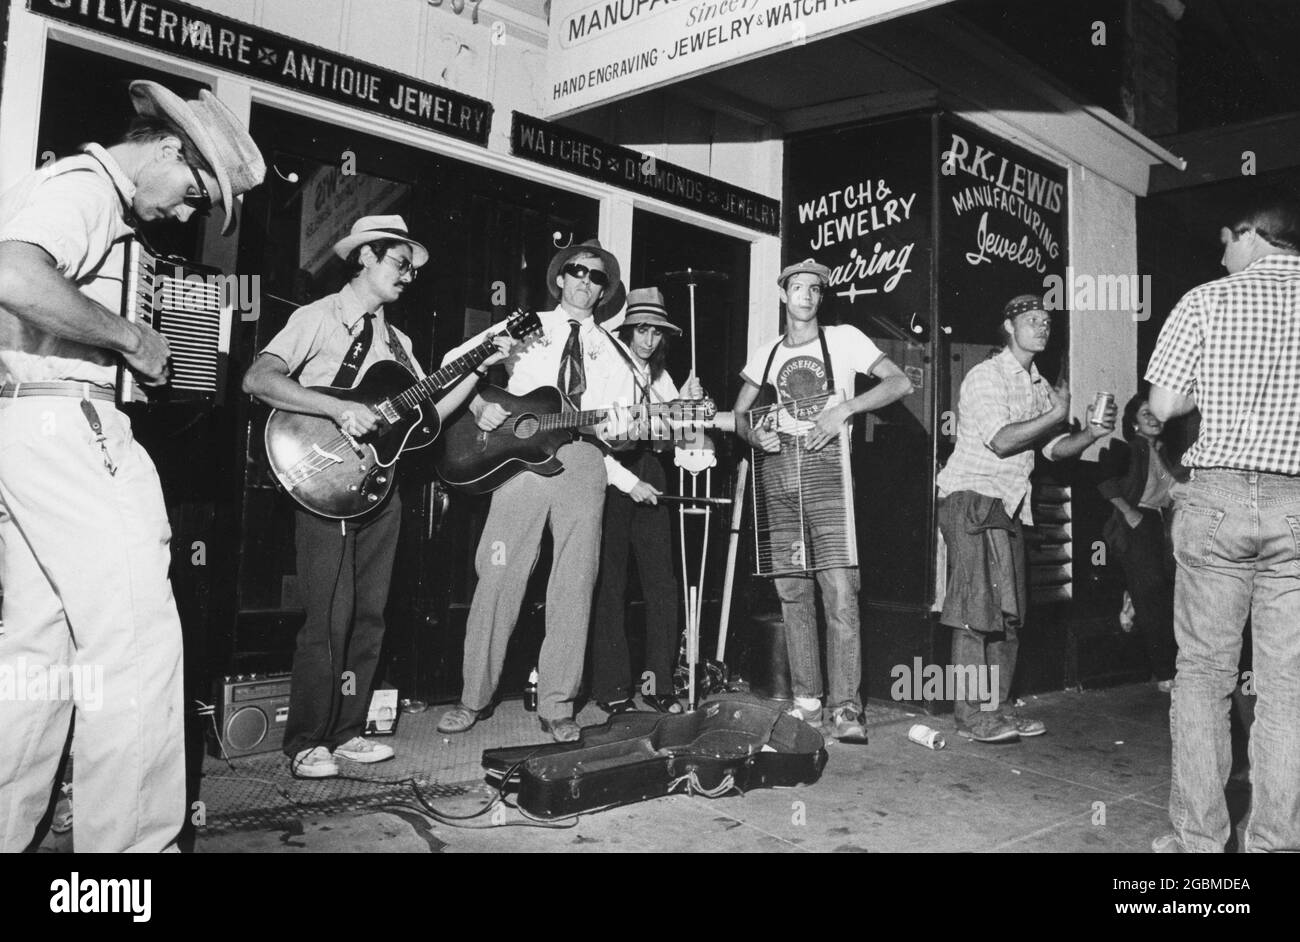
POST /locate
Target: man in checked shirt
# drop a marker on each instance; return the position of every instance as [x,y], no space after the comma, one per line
[1232,349]
[1005,409]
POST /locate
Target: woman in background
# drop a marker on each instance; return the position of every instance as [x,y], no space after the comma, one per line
[1137,533]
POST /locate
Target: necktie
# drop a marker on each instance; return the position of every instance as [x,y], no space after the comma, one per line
[347,374]
[573,377]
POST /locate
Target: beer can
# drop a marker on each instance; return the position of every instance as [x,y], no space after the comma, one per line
[530,692]
[1099,406]
[925,736]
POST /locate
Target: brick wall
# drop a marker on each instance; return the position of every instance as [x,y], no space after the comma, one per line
[1150,91]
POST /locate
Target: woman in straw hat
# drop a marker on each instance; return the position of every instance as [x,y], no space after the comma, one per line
[637,525]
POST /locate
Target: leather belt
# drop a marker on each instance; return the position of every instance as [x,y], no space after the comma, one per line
[71,390]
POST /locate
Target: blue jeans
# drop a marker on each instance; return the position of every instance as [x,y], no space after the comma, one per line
[843,638]
[1237,544]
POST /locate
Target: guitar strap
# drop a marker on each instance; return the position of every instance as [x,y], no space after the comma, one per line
[398,350]
[351,365]
[642,390]
[642,387]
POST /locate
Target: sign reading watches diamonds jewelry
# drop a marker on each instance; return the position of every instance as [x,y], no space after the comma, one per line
[601,50]
[557,146]
[180,29]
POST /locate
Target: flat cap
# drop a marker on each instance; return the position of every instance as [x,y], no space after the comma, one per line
[808,265]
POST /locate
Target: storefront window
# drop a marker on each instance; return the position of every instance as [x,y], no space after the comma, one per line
[662,250]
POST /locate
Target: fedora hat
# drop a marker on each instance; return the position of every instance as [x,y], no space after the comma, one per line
[611,300]
[373,229]
[219,136]
[645,307]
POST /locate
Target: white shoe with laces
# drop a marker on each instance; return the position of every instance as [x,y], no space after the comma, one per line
[314,763]
[357,749]
[808,709]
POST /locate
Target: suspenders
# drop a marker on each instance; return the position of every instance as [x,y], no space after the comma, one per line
[826,360]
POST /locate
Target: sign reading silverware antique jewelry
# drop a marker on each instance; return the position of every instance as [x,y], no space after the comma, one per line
[199,35]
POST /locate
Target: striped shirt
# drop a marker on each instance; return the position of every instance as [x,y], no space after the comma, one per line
[994,394]
[1233,345]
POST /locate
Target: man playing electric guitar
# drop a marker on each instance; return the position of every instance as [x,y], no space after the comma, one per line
[591,368]
[344,568]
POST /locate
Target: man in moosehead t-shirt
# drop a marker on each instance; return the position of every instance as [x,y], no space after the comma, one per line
[807,361]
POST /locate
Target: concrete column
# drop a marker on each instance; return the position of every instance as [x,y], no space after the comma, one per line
[768,161]
[616,236]
[1103,245]
[20,112]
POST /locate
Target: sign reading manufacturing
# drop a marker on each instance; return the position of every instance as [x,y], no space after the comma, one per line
[1003,224]
[590,157]
[606,49]
[1003,210]
[198,35]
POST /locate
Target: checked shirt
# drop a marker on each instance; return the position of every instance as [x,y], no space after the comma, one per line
[994,394]
[1234,346]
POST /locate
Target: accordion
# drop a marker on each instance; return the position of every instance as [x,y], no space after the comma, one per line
[191,306]
[803,500]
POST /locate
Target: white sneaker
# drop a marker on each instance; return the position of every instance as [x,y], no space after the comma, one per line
[808,709]
[364,750]
[314,763]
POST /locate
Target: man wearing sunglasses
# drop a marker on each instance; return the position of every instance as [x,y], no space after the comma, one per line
[574,353]
[344,568]
[83,528]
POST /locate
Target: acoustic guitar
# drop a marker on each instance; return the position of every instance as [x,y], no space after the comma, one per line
[539,425]
[336,475]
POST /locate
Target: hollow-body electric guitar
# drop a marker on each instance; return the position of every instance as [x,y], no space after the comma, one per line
[539,425]
[336,475]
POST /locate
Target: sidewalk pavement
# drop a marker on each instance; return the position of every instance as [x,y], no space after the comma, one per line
[1097,782]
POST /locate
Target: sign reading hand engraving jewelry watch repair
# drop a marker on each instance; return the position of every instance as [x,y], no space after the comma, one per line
[601,50]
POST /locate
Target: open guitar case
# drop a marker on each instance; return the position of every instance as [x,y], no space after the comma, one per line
[725,746]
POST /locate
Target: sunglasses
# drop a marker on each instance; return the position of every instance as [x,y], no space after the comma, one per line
[202,203]
[598,277]
[404,266]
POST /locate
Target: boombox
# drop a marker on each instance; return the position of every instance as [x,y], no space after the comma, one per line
[254,709]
